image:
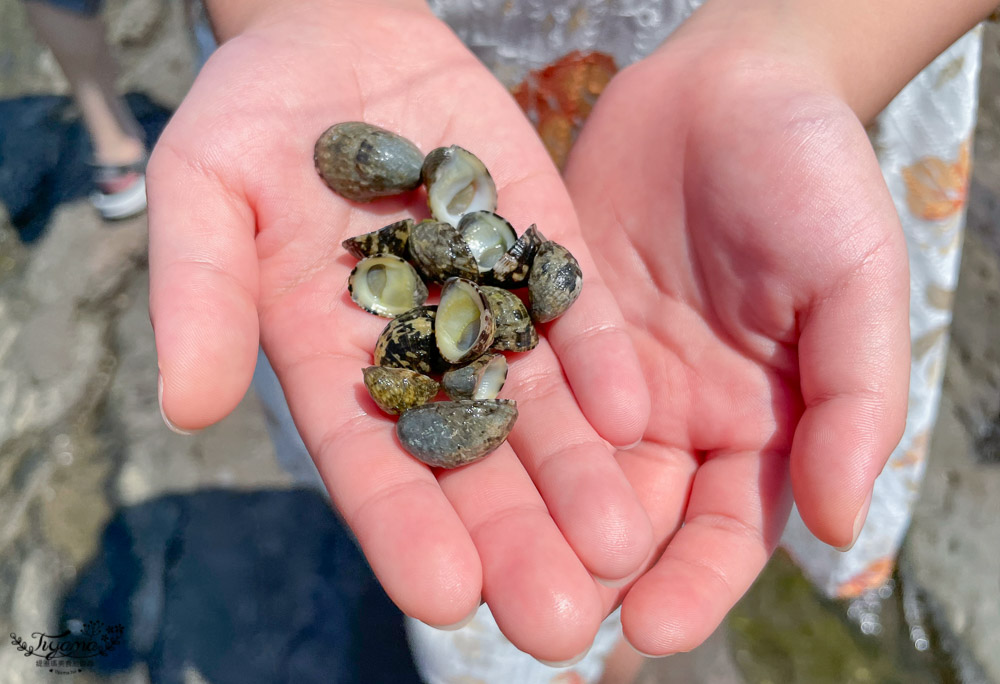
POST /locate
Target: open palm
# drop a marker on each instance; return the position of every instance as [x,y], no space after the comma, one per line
[756,255]
[245,246]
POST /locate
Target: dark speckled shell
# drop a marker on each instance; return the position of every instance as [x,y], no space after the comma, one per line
[555,282]
[363,162]
[388,240]
[449,434]
[439,252]
[463,382]
[397,389]
[408,342]
[514,331]
[512,269]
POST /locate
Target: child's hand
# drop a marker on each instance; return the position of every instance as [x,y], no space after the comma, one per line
[245,240]
[737,206]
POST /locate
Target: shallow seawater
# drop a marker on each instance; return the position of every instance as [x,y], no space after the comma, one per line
[784,632]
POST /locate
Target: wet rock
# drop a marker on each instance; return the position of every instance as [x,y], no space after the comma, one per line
[45,368]
[81,259]
[166,461]
[959,506]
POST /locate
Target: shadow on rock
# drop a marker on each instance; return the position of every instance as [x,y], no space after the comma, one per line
[45,151]
[261,586]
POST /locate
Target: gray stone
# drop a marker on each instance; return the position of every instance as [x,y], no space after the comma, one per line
[33,608]
[135,22]
[237,452]
[26,68]
[953,539]
[32,392]
[80,259]
[161,65]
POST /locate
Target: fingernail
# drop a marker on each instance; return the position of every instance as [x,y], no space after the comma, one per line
[564,663]
[633,445]
[617,583]
[166,421]
[456,625]
[645,655]
[859,522]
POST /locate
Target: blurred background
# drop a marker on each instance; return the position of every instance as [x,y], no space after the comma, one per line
[218,570]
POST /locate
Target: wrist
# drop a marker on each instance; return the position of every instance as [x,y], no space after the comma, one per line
[863,52]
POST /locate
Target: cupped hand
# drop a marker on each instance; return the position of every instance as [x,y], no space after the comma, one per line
[734,203]
[245,246]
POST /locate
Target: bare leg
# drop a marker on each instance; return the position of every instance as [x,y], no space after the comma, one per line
[79,46]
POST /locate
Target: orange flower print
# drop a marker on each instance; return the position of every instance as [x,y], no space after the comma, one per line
[872,577]
[928,341]
[559,97]
[570,677]
[915,454]
[936,189]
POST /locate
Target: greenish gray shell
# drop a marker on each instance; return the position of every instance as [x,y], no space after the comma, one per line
[398,389]
[489,236]
[449,434]
[439,252]
[363,162]
[388,240]
[512,322]
[408,342]
[554,283]
[386,285]
[456,338]
[457,183]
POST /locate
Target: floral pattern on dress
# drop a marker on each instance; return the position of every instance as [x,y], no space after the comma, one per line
[872,577]
[936,189]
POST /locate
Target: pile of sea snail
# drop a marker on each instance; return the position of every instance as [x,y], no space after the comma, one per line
[477,256]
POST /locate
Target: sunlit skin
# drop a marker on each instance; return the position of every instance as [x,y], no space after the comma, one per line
[245,245]
[738,207]
[743,322]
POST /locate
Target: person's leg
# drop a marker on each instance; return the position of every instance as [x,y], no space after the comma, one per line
[78,43]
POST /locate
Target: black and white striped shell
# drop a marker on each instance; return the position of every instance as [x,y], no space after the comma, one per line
[514,330]
[449,434]
[386,285]
[511,270]
[390,239]
[439,252]
[408,342]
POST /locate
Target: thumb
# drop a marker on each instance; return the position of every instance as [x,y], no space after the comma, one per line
[854,359]
[203,287]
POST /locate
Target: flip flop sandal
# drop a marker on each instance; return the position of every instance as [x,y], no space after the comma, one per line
[121,189]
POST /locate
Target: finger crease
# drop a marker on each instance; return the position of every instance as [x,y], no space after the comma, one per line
[498,518]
